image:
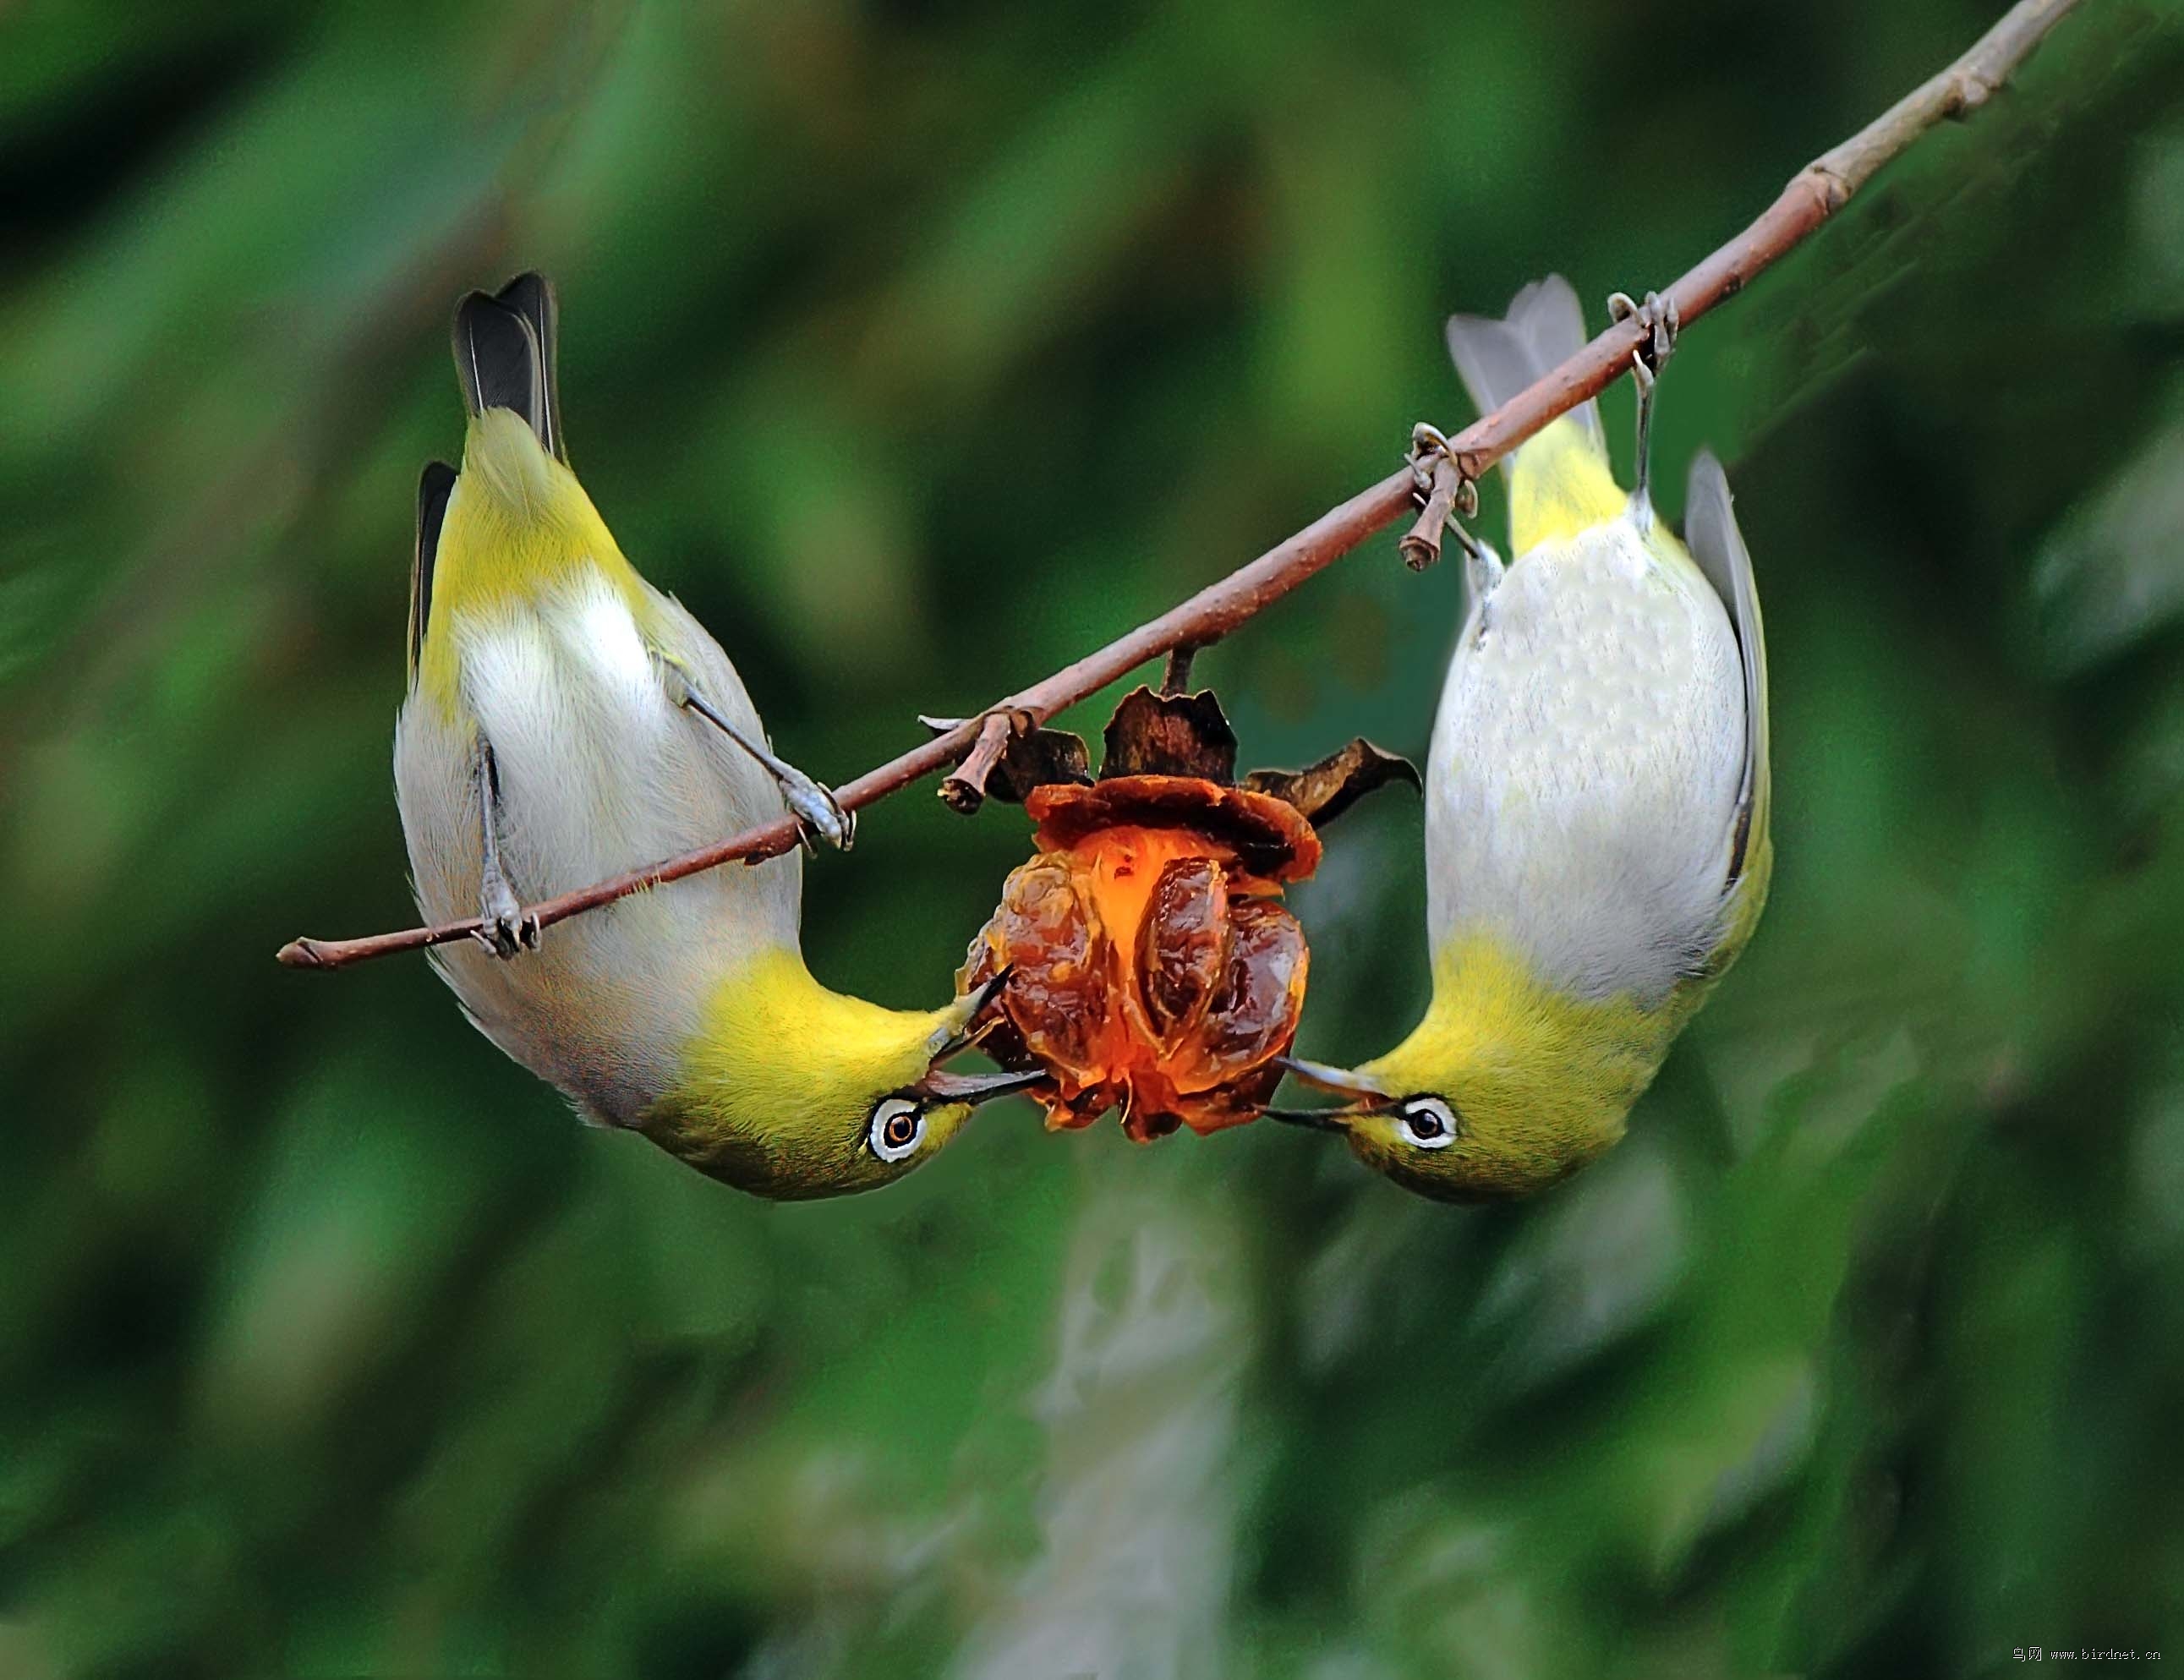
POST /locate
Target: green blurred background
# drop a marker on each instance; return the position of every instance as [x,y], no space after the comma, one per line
[919,347]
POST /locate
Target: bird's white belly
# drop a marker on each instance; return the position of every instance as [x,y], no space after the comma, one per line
[1586,766]
[600,772]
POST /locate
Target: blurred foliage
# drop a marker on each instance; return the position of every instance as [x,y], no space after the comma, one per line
[919,347]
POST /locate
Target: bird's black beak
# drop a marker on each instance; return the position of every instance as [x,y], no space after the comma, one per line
[1340,1080]
[973,1004]
[974,1088]
[1318,1119]
[1361,1092]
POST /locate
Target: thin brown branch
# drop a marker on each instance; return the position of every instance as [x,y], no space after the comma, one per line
[1812,196]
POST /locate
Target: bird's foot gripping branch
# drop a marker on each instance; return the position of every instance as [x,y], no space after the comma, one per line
[1152,967]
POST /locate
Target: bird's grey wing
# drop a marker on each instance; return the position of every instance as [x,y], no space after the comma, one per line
[433,485]
[500,362]
[1545,327]
[531,296]
[1710,533]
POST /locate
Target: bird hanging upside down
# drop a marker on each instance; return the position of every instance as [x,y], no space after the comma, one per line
[1597,848]
[567,722]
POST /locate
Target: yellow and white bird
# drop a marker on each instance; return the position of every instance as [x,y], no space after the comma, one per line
[567,722]
[1597,851]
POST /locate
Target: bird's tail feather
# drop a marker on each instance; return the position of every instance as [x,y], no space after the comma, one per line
[1559,481]
[504,347]
[1497,359]
[433,487]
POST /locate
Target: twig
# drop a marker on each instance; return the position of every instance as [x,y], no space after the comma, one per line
[1420,545]
[1175,677]
[1813,194]
[965,790]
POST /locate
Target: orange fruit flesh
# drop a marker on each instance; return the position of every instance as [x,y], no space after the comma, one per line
[1079,1003]
[1117,869]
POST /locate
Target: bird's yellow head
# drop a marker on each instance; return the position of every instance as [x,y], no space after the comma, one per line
[1507,1087]
[794,1092]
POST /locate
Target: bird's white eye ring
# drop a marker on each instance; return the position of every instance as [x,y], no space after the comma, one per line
[897,1129]
[1428,1123]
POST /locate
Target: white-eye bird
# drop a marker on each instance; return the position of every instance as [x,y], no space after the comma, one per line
[566,722]
[1596,803]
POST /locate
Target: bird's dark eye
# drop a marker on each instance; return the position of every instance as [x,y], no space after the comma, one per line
[897,1128]
[1428,1123]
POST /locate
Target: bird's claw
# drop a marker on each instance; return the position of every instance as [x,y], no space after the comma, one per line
[817,811]
[1429,447]
[509,927]
[1658,319]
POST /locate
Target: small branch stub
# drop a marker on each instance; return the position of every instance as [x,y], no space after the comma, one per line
[1444,492]
[965,790]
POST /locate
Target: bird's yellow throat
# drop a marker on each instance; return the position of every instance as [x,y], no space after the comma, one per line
[1542,1081]
[779,1060]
